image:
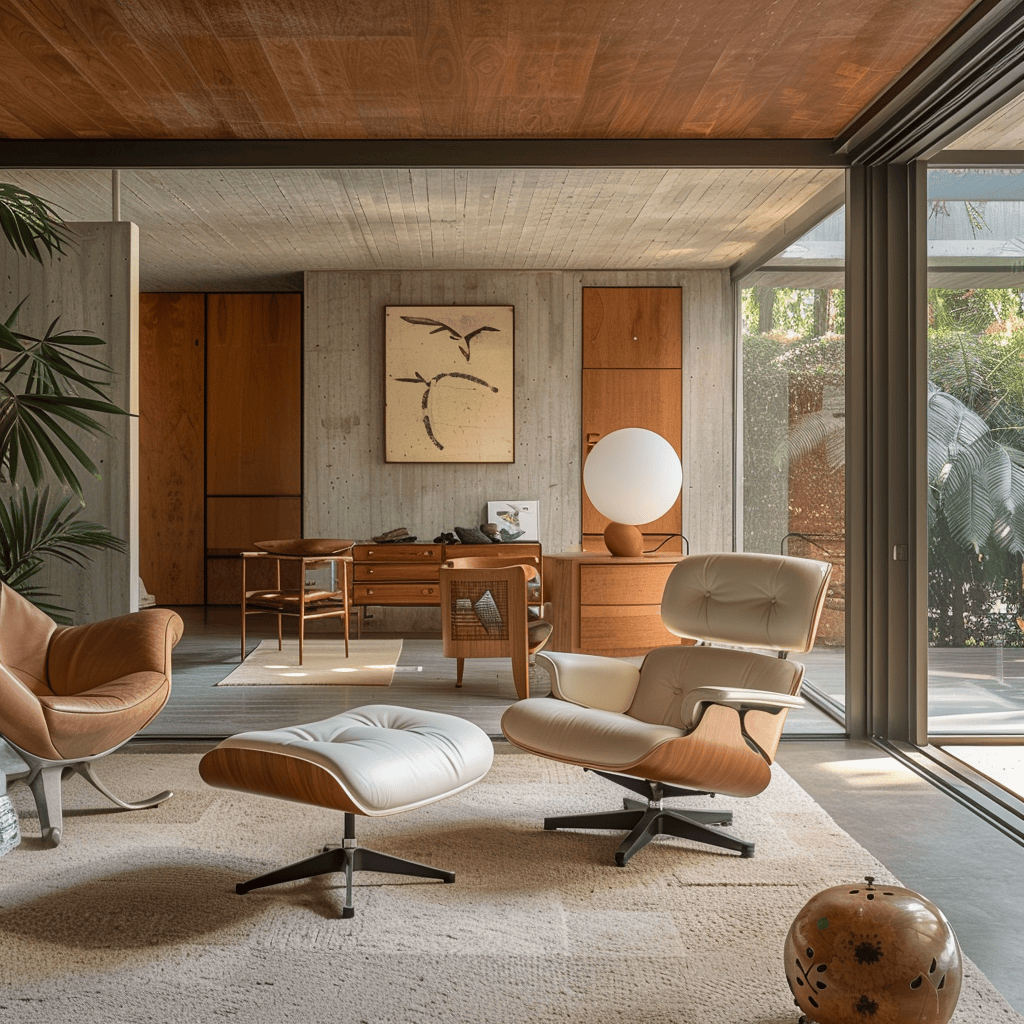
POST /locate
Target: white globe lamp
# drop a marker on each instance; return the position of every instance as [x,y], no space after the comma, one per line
[632,476]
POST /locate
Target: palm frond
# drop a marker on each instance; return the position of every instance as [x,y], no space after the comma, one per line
[32,532]
[28,222]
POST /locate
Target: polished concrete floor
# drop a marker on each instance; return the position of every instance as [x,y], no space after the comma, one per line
[933,844]
[930,842]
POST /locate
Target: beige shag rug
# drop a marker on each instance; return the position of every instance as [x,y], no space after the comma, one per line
[369,663]
[134,918]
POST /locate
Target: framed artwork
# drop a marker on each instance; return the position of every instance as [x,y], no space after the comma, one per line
[448,384]
[517,520]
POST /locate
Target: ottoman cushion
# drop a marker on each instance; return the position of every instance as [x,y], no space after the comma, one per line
[373,760]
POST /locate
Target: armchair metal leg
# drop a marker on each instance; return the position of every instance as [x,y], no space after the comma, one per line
[45,785]
[85,769]
[349,859]
[722,817]
[646,819]
[602,819]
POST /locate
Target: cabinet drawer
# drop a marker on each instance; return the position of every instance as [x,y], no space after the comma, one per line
[396,593]
[621,632]
[624,584]
[397,552]
[398,572]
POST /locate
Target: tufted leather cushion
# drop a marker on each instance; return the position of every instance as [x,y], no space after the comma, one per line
[668,674]
[373,760]
[768,601]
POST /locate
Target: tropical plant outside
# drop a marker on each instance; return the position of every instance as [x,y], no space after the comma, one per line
[975,440]
[48,386]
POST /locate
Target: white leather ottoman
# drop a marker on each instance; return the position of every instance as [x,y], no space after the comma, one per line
[373,760]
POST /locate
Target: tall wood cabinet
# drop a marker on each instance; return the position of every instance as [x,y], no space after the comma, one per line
[253,430]
[220,439]
[172,360]
[632,377]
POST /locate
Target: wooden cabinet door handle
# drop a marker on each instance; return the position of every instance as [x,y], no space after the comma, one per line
[592,439]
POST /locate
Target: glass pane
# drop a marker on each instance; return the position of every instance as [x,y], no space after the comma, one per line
[794,425]
[976,452]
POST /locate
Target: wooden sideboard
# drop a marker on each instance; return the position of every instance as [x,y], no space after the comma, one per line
[407,574]
[602,604]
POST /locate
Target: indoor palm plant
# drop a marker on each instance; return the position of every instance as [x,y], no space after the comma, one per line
[48,386]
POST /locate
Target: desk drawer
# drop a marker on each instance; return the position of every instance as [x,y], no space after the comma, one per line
[399,572]
[397,552]
[397,593]
[624,584]
[623,631]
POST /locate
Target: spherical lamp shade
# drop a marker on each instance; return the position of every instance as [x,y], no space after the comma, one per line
[632,476]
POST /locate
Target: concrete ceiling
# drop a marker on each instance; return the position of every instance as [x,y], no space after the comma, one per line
[259,229]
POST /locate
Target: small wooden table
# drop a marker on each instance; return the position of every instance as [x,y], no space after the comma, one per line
[602,604]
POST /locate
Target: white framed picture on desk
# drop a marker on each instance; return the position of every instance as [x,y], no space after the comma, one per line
[517,519]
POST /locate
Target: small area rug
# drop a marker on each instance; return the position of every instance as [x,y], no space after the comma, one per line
[133,919]
[370,663]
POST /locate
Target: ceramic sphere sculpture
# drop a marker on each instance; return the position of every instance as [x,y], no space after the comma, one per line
[879,954]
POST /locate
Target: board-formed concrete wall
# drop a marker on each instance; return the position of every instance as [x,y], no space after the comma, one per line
[93,287]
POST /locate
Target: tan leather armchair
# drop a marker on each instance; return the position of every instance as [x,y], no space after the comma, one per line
[485,613]
[72,694]
[689,721]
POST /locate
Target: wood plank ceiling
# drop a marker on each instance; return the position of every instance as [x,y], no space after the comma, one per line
[429,69]
[399,69]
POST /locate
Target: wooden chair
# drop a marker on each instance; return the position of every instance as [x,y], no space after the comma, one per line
[485,613]
[303,601]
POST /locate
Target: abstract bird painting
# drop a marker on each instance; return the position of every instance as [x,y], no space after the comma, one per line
[460,360]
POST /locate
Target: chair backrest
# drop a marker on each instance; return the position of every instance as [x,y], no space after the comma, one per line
[772,602]
[483,607]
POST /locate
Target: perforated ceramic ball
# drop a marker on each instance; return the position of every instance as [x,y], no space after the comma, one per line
[873,955]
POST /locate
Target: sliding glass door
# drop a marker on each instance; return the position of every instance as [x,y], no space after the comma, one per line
[794,427]
[975,454]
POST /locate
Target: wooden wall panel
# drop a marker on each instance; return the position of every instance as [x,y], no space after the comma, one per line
[92,286]
[235,524]
[614,399]
[629,327]
[172,346]
[254,394]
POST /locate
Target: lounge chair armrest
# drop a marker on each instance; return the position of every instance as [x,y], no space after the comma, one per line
[741,699]
[590,680]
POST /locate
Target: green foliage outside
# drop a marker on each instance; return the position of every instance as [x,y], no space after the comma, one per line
[975,441]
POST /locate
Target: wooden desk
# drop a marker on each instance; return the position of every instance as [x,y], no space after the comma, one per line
[607,605]
[407,574]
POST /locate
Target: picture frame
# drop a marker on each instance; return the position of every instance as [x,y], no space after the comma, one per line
[518,518]
[449,374]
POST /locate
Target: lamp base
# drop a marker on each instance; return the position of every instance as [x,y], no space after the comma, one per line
[623,540]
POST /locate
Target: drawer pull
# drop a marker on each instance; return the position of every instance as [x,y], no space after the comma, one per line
[428,590]
[369,590]
[369,554]
[370,571]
